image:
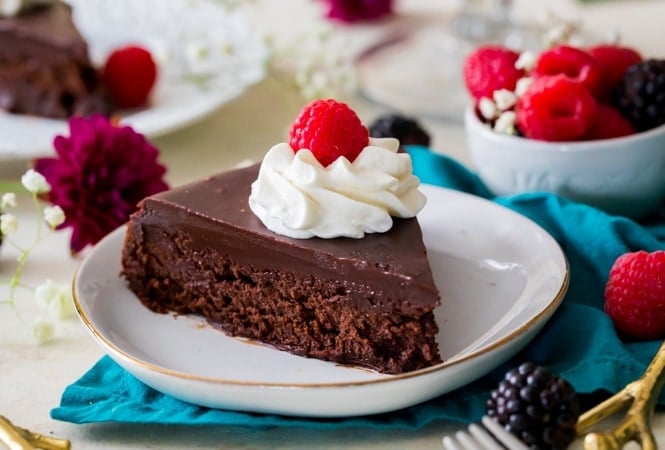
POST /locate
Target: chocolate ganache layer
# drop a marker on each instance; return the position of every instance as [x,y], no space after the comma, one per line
[369,302]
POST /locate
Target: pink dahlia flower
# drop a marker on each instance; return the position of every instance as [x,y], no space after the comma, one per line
[358,10]
[100,173]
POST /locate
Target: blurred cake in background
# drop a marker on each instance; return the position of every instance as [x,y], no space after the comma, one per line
[45,69]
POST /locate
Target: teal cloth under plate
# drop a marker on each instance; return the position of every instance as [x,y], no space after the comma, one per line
[579,341]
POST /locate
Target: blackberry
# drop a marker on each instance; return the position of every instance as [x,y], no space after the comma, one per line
[538,407]
[406,129]
[640,95]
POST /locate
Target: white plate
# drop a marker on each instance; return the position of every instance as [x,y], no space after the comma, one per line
[501,277]
[177,100]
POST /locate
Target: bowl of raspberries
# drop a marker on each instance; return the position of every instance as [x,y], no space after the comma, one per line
[587,123]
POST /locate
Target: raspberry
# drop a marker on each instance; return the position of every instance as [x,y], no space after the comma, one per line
[635,294]
[609,123]
[130,74]
[329,129]
[535,405]
[613,61]
[408,130]
[574,63]
[489,69]
[555,108]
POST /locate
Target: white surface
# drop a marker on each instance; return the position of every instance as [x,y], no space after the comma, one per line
[621,176]
[33,377]
[176,100]
[478,251]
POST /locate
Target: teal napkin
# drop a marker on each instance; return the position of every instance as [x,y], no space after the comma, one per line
[579,342]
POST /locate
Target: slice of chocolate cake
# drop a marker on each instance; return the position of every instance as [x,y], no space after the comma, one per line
[368,302]
[44,65]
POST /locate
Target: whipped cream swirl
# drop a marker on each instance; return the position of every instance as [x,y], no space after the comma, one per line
[294,195]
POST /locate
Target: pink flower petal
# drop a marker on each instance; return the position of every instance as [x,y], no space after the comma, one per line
[99,175]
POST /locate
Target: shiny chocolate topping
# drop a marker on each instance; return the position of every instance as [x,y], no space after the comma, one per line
[215,213]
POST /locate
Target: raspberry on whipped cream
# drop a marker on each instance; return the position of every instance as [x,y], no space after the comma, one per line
[296,196]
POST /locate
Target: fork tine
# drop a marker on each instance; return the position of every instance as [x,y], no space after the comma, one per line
[484,438]
[500,433]
[467,441]
[489,435]
[450,444]
[461,441]
[476,437]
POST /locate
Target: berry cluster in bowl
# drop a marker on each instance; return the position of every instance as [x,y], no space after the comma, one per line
[566,92]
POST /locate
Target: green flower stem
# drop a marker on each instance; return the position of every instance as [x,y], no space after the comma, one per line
[38,211]
[20,284]
[15,280]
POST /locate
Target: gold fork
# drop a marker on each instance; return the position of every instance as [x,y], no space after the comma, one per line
[17,438]
[636,425]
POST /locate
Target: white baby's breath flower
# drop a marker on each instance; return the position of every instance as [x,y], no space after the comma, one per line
[487,108]
[559,34]
[56,299]
[522,85]
[505,123]
[322,81]
[233,4]
[35,182]
[160,51]
[8,200]
[42,331]
[8,224]
[197,50]
[504,99]
[309,92]
[318,63]
[526,61]
[319,82]
[198,56]
[54,216]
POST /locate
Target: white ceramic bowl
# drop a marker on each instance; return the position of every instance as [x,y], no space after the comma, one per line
[624,176]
